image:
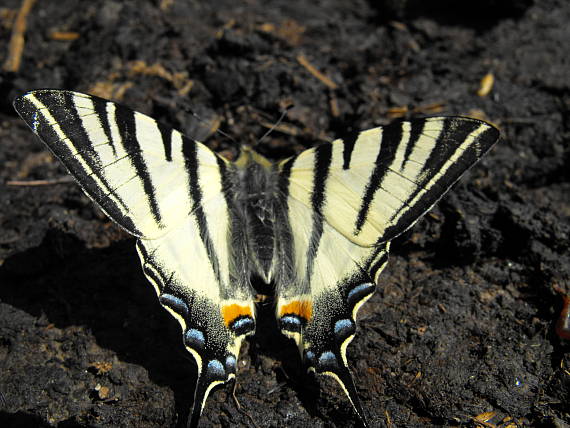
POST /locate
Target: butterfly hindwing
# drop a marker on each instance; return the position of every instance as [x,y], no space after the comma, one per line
[174,194]
[319,311]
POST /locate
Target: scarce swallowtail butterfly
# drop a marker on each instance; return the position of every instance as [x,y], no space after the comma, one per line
[317,226]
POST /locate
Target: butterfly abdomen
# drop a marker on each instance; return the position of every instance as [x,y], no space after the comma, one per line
[256,203]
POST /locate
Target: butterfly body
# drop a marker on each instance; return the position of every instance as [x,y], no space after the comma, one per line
[258,204]
[316,227]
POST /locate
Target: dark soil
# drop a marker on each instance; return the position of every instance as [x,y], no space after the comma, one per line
[463,322]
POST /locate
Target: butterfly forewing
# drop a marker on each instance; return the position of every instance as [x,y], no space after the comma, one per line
[132,167]
[379,183]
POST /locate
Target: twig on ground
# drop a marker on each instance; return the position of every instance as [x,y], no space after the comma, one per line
[313,70]
[16,46]
[35,183]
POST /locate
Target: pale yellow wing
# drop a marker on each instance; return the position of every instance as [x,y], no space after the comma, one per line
[379,182]
[130,165]
[172,193]
[346,201]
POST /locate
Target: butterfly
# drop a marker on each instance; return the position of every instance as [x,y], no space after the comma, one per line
[317,226]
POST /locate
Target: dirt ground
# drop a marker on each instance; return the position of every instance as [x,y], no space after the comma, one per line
[462,329]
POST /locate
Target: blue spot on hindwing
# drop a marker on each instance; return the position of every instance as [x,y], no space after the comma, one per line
[243,325]
[310,357]
[174,303]
[291,323]
[194,339]
[231,364]
[216,369]
[344,328]
[327,360]
[360,292]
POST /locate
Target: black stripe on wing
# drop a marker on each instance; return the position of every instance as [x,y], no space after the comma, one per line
[283,225]
[377,263]
[166,134]
[63,110]
[454,134]
[348,147]
[391,139]
[284,176]
[415,132]
[100,107]
[126,123]
[323,158]
[150,269]
[237,231]
[59,105]
[189,149]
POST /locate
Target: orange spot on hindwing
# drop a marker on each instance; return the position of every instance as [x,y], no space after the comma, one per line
[238,318]
[294,315]
[302,308]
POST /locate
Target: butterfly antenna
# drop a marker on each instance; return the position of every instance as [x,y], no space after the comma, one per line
[205,122]
[276,124]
